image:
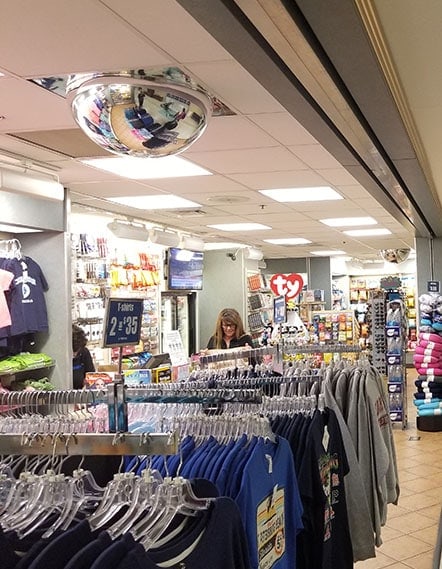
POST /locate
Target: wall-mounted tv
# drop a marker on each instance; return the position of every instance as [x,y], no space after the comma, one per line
[184,269]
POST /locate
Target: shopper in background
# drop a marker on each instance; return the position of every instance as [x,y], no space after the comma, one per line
[82,362]
[229,332]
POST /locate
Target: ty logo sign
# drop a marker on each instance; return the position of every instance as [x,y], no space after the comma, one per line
[286,285]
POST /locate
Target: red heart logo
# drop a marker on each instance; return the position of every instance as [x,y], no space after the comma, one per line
[287,285]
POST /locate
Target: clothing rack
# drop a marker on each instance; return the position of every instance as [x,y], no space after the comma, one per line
[192,392]
[240,354]
[10,249]
[59,436]
[61,444]
[288,348]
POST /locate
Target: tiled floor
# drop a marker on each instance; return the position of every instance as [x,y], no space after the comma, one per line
[409,536]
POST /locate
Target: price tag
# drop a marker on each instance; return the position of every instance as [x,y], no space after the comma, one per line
[433,286]
[122,322]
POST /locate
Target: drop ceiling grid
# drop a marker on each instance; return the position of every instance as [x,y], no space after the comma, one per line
[284,128]
[73,26]
[152,18]
[230,133]
[230,81]
[28,107]
[244,149]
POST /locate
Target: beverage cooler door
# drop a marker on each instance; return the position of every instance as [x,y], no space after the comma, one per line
[178,312]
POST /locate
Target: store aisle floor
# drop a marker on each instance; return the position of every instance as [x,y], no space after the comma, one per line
[410,534]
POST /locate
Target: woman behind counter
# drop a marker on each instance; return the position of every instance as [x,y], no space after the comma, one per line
[229,332]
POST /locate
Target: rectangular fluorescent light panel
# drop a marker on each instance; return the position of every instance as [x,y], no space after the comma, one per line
[240,226]
[148,168]
[160,201]
[288,241]
[327,253]
[367,232]
[348,221]
[313,194]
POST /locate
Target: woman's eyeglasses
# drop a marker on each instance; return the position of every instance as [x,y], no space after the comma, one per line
[228,325]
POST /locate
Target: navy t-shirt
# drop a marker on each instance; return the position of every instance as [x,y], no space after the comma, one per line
[326,541]
[26,301]
[219,543]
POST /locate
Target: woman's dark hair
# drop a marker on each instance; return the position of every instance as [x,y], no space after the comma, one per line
[79,339]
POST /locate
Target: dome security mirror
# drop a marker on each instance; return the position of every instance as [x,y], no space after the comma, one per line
[140,114]
[395,255]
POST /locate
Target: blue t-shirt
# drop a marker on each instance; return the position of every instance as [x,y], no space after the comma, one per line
[270,505]
[224,473]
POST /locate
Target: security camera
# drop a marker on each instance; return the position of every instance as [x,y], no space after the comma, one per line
[232,256]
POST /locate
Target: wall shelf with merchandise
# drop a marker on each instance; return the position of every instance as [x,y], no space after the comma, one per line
[128,272]
[259,305]
[361,288]
[336,327]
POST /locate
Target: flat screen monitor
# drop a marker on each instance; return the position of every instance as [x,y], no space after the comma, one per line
[279,310]
[185,269]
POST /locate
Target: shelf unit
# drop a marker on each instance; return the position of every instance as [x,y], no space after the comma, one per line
[259,305]
[389,338]
[34,373]
[97,276]
[308,309]
[397,341]
[332,326]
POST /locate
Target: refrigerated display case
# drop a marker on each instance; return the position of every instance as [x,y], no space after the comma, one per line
[178,312]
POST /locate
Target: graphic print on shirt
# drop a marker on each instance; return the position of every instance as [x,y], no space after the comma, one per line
[328,470]
[25,280]
[271,529]
[382,413]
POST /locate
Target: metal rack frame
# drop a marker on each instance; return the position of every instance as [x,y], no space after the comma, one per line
[60,444]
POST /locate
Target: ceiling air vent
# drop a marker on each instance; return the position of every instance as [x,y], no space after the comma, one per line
[190,213]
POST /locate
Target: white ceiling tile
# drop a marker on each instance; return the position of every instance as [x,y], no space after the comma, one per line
[236,87]
[337,176]
[354,192]
[247,160]
[15,95]
[315,156]
[113,189]
[85,36]
[284,128]
[198,184]
[273,180]
[231,132]
[153,18]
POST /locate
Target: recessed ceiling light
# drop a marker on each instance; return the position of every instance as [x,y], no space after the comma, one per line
[240,226]
[313,194]
[288,241]
[367,232]
[148,168]
[348,221]
[161,201]
[330,253]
